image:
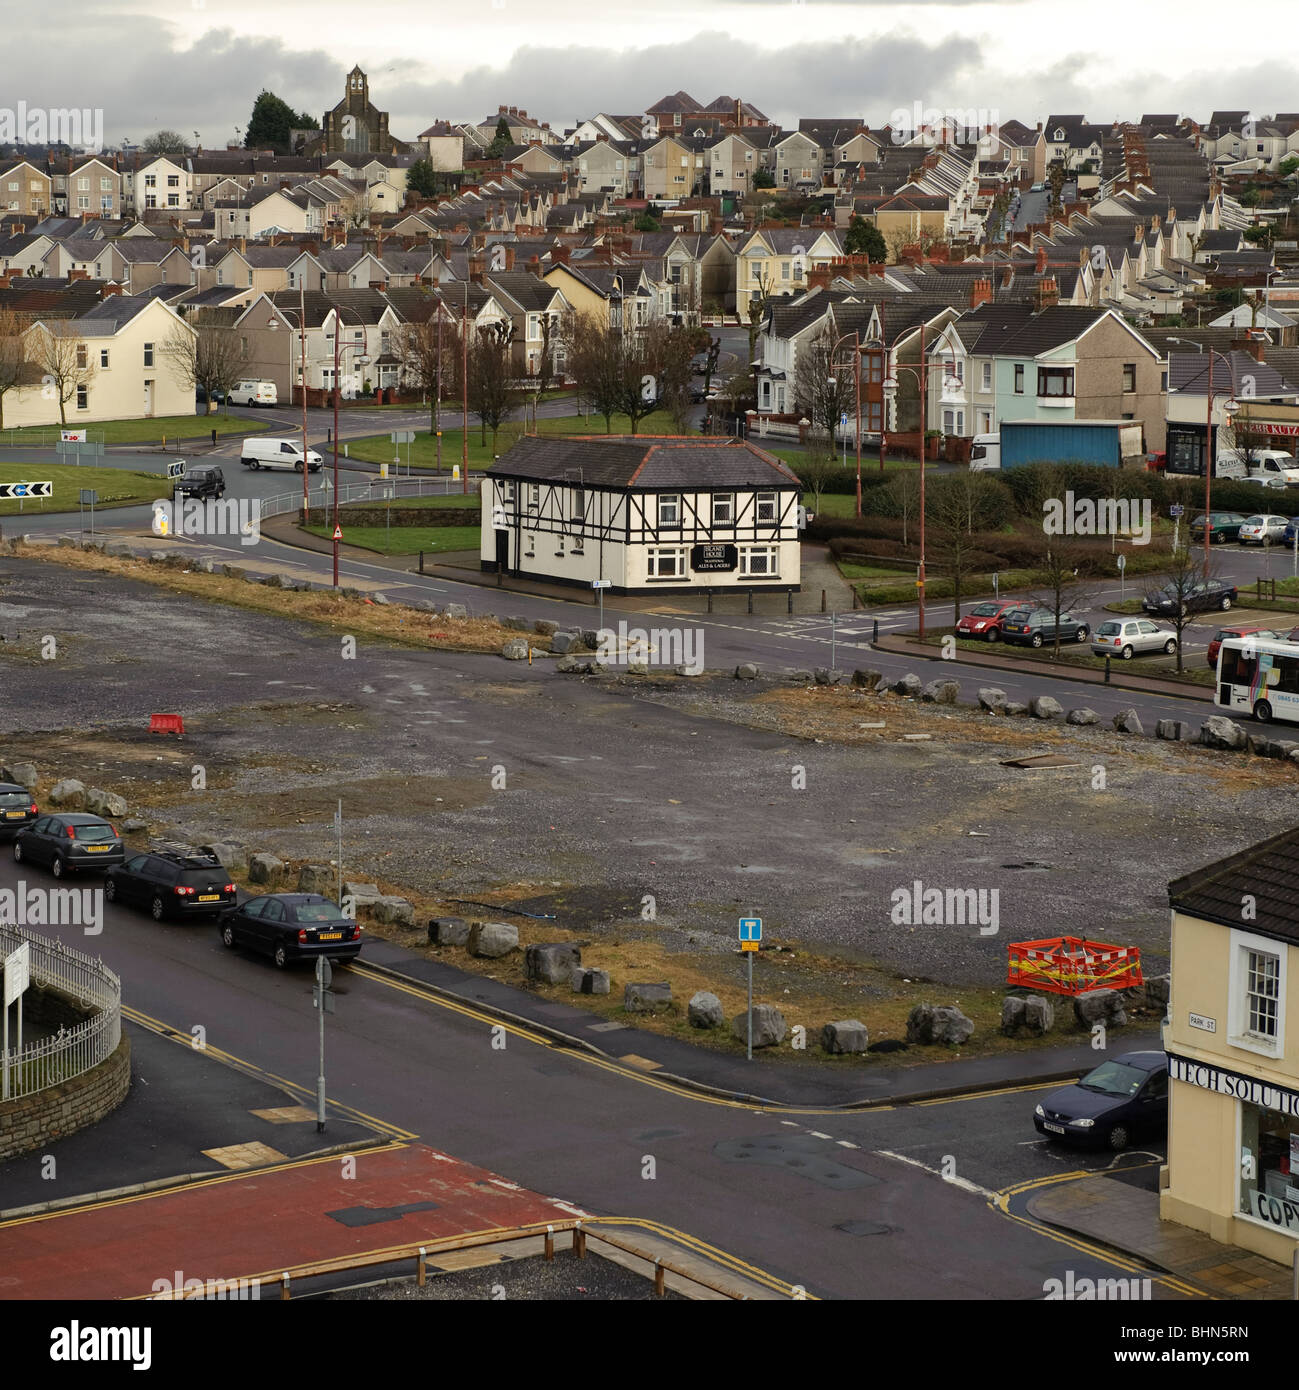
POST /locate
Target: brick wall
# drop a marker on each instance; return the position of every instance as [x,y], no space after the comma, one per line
[54,1113]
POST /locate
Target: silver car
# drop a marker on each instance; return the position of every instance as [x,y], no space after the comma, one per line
[1129,637]
[1263,528]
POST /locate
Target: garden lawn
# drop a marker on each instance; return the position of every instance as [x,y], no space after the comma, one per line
[148,430]
[117,487]
[378,448]
[405,540]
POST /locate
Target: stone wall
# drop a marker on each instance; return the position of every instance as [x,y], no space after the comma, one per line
[34,1121]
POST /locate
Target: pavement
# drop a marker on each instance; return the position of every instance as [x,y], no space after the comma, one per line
[1108,1209]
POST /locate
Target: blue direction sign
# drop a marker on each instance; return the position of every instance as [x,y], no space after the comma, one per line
[750,928]
[8,490]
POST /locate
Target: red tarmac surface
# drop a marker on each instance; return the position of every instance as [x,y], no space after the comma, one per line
[258,1223]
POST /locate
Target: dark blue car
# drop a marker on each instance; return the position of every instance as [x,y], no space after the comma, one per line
[1291,527]
[1123,1099]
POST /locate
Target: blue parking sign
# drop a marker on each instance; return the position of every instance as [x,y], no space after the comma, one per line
[750,928]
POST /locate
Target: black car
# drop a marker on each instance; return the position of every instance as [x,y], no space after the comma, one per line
[1200,597]
[172,884]
[1035,627]
[65,843]
[292,926]
[201,394]
[17,809]
[1123,1099]
[205,481]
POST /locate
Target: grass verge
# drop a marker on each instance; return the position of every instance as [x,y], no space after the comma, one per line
[117,487]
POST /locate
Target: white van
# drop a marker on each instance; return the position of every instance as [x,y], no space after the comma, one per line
[253,392]
[277,453]
[985,453]
[1269,464]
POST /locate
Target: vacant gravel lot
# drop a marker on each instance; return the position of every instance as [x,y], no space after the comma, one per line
[461,775]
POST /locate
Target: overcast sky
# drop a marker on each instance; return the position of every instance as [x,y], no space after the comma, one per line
[197,65]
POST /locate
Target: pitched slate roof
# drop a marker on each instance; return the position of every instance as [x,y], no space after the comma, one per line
[1268,872]
[1016,330]
[652,462]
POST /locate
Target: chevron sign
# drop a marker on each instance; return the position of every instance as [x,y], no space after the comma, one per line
[11,490]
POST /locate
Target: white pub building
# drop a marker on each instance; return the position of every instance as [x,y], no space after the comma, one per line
[646,513]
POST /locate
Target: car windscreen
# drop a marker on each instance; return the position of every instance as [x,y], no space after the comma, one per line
[1109,629]
[1114,1079]
[1017,615]
[94,833]
[318,912]
[985,610]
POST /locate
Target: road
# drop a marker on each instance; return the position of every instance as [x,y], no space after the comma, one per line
[848,1205]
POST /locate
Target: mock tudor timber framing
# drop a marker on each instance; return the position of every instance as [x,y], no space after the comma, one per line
[634,509]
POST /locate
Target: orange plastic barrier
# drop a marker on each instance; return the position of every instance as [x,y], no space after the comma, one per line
[1070,965]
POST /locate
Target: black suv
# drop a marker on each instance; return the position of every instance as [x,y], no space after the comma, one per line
[1036,626]
[205,481]
[173,883]
[67,842]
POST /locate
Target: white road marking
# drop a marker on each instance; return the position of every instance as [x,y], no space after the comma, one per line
[963,1183]
[816,1134]
[847,1144]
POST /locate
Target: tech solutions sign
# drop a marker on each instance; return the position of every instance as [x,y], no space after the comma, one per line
[1230,1083]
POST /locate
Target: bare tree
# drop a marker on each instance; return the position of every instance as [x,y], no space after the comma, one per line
[425,356]
[62,359]
[959,506]
[16,365]
[594,362]
[1057,565]
[759,301]
[823,389]
[211,357]
[816,471]
[491,389]
[1183,575]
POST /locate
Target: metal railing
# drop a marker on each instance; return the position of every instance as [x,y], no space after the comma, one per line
[30,437]
[71,1051]
[362,492]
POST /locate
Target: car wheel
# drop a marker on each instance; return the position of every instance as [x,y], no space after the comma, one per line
[297,467]
[1118,1138]
[1170,646]
[56,866]
[1126,653]
[1219,538]
[281,957]
[1263,712]
[1082,634]
[1037,639]
[1224,602]
[18,853]
[157,909]
[110,890]
[992,635]
[228,935]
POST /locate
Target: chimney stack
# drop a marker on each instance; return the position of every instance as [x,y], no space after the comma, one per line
[980,292]
[1041,260]
[1048,293]
[559,255]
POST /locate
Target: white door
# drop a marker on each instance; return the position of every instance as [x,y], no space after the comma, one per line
[148,398]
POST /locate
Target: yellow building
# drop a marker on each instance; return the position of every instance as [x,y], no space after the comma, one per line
[1233,1051]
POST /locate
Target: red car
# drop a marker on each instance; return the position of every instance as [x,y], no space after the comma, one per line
[1223,633]
[984,619]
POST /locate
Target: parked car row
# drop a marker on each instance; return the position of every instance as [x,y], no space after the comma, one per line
[1262,528]
[178,885]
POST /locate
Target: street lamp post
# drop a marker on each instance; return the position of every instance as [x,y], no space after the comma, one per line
[890,386]
[1208,432]
[855,335]
[302,333]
